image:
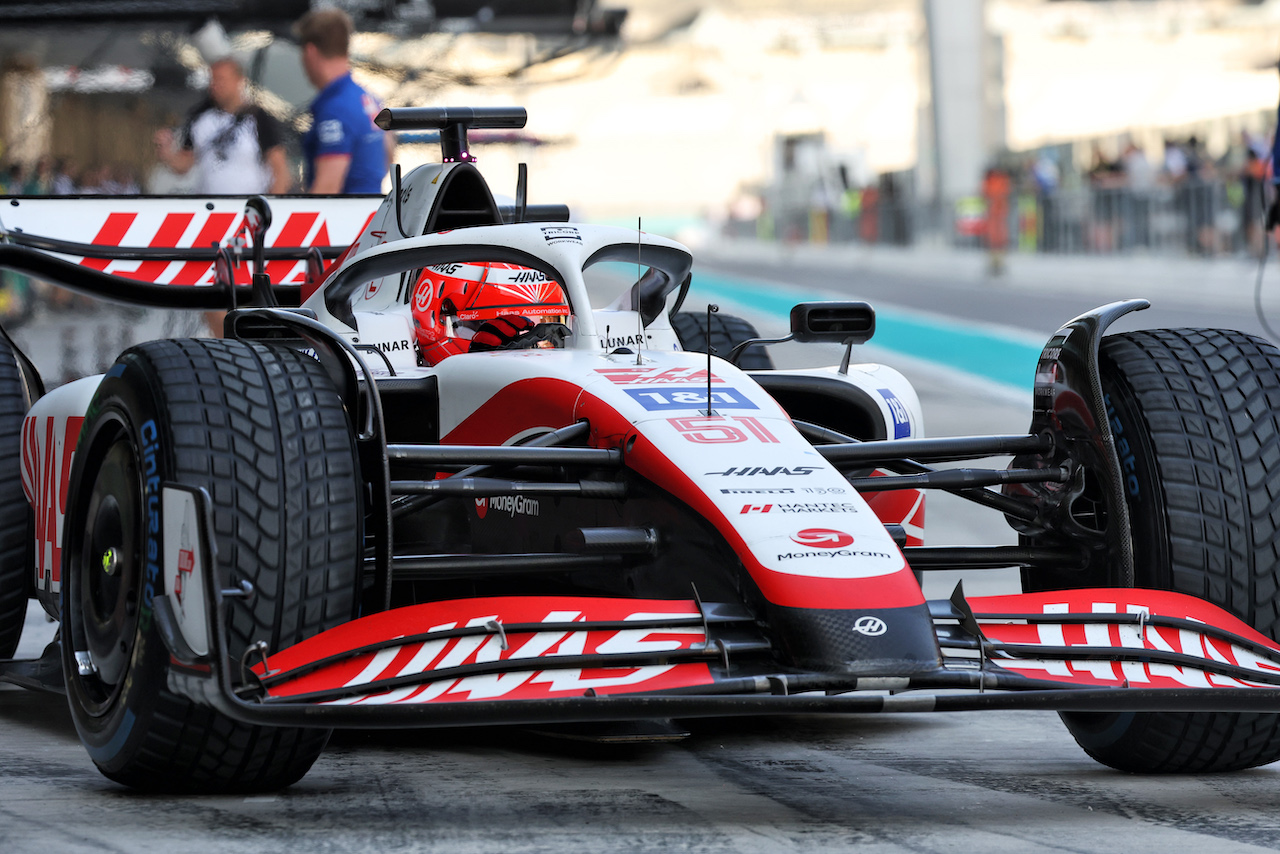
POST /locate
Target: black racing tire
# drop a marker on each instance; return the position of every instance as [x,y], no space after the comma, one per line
[262,429]
[17,542]
[1196,417]
[725,332]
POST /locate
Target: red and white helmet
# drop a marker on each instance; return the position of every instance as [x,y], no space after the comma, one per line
[451,301]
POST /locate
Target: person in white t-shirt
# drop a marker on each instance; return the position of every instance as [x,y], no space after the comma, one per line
[236,145]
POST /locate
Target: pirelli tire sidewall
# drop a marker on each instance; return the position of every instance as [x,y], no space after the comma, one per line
[112,735]
[17,550]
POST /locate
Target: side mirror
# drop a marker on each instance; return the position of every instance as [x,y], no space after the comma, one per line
[852,322]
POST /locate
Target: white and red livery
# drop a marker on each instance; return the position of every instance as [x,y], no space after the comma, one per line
[349,514]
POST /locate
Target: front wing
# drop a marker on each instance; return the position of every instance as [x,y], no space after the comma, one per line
[544,659]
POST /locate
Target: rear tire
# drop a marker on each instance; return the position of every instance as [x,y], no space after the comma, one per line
[262,430]
[17,541]
[1196,418]
[725,332]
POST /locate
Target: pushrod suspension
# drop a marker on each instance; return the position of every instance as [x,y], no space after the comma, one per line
[959,479]
[985,497]
[951,448]
[488,487]
[432,567]
[561,436]
[988,557]
[438,455]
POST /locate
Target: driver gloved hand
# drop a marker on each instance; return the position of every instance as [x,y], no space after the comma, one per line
[496,334]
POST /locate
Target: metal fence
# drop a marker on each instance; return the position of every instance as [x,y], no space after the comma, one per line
[1201,217]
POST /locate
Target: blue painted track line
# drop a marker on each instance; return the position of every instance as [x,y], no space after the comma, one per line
[1004,357]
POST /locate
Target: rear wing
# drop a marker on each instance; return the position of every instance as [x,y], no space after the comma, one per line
[175,240]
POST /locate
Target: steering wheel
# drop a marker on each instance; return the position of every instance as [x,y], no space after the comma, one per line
[512,334]
[530,338]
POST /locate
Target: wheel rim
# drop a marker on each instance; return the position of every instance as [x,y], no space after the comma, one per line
[105,566]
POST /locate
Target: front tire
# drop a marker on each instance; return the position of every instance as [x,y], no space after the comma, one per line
[1196,419]
[261,429]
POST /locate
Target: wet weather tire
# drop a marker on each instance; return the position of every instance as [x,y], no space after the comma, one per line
[16,538]
[1196,418]
[261,429]
[724,333]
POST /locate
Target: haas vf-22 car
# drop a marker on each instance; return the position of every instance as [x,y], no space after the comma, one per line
[478,468]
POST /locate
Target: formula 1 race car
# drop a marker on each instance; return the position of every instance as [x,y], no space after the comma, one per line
[453,484]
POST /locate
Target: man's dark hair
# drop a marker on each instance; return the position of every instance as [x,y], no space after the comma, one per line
[328,29]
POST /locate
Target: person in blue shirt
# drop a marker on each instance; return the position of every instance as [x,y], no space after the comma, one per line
[345,151]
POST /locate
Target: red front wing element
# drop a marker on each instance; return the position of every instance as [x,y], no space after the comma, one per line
[496,648]
[1125,638]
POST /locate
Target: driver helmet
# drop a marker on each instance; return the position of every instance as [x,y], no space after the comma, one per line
[453,302]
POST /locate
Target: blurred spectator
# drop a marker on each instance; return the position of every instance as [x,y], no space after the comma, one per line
[1175,162]
[1201,200]
[1107,178]
[1255,143]
[869,224]
[1140,178]
[1104,172]
[1046,176]
[13,180]
[1199,164]
[121,181]
[237,146]
[40,181]
[1253,205]
[895,223]
[1138,171]
[996,189]
[1045,172]
[1181,200]
[345,151]
[64,183]
[163,181]
[109,186]
[92,181]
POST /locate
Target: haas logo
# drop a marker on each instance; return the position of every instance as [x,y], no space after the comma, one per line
[422,296]
[870,626]
[822,538]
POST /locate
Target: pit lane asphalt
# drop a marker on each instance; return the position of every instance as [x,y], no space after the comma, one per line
[1000,782]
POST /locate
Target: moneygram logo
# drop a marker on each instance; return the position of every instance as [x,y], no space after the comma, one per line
[822,538]
[514,505]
